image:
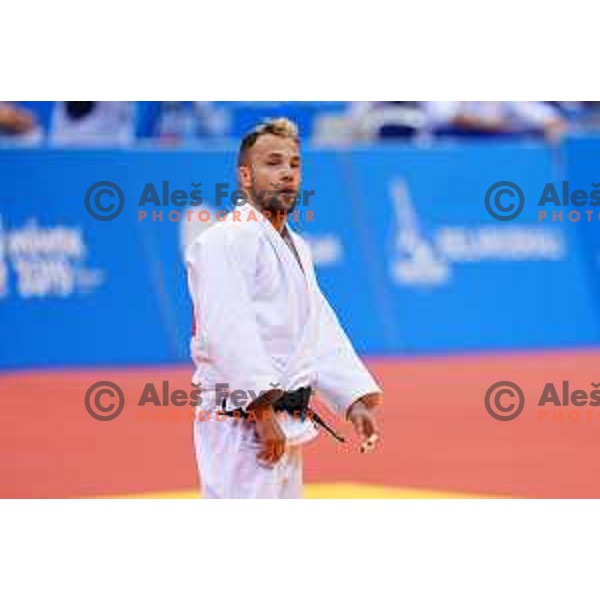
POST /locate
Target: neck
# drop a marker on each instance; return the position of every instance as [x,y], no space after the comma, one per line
[278,220]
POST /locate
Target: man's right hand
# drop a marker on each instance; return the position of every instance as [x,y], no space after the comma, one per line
[269,432]
[270,436]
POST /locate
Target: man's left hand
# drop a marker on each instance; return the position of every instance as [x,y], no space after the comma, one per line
[361,415]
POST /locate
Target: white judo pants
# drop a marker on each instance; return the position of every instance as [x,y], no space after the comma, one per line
[226,457]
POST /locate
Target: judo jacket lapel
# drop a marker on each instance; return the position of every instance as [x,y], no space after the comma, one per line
[301,277]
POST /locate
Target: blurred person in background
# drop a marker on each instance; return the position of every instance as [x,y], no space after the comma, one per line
[387,120]
[18,124]
[183,122]
[487,119]
[93,123]
[580,115]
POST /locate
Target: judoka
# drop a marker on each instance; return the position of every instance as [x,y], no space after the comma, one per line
[264,333]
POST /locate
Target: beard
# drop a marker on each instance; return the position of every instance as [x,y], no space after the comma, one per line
[275,201]
[282,202]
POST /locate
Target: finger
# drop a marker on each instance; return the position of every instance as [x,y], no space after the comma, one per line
[375,427]
[359,426]
[275,451]
[369,444]
[279,450]
[267,463]
[266,454]
[369,426]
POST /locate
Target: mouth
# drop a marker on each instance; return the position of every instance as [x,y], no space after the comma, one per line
[286,190]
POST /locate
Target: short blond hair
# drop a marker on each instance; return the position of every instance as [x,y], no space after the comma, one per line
[281,126]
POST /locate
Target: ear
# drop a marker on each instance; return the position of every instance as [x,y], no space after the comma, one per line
[245,176]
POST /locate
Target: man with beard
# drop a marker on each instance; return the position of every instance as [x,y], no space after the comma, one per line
[265,338]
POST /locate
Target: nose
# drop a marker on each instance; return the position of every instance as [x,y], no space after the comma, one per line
[287,174]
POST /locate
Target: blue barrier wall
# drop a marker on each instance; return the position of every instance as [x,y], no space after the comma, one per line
[404,246]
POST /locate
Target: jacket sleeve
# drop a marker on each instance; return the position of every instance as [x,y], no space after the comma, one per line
[342,378]
[220,282]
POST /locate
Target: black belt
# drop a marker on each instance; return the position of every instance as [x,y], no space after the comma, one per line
[295,403]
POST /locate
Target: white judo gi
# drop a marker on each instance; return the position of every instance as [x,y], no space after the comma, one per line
[261,321]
